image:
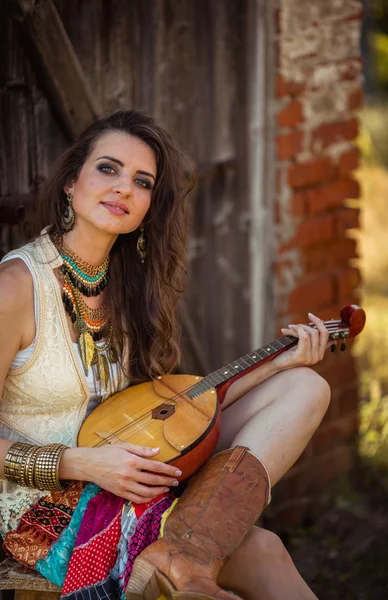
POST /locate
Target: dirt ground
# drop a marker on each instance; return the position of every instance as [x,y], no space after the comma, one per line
[343,555]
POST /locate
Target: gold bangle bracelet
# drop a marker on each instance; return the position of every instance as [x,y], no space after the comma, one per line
[46,472]
[14,462]
[29,467]
[35,466]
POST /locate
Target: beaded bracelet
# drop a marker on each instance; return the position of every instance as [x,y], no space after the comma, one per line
[35,466]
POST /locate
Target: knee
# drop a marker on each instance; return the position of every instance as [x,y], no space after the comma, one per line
[316,394]
[267,546]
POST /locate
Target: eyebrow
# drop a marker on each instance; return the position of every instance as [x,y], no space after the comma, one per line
[116,160]
[145,173]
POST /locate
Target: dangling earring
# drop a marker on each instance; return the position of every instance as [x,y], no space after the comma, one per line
[141,245]
[68,214]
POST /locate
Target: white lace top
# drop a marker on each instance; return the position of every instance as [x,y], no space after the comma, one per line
[46,396]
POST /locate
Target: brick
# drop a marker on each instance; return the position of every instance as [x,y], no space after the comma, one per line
[318,258]
[310,295]
[346,281]
[287,88]
[339,431]
[332,412]
[348,400]
[355,99]
[330,133]
[327,196]
[296,318]
[349,161]
[341,371]
[310,173]
[347,218]
[350,71]
[357,15]
[312,231]
[315,229]
[279,179]
[291,115]
[331,360]
[289,144]
[298,206]
[354,298]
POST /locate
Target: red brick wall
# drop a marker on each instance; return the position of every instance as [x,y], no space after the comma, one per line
[318,90]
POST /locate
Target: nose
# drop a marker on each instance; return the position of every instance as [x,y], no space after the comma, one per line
[123,186]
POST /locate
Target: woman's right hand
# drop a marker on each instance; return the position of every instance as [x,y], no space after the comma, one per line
[124,469]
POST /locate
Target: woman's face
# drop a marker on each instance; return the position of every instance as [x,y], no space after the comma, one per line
[114,188]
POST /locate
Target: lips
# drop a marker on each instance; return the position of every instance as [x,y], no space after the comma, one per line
[116,207]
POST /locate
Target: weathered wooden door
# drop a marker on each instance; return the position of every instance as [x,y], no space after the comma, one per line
[192,64]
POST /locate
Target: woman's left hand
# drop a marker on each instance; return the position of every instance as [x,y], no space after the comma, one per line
[311,346]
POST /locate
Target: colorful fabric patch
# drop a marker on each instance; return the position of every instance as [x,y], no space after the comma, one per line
[140,509]
[91,563]
[54,565]
[42,525]
[87,540]
[101,510]
[104,590]
[146,533]
[128,525]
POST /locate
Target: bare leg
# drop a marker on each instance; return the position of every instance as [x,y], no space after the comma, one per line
[275,421]
[262,569]
[277,418]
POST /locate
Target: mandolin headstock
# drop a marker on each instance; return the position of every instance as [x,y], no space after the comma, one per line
[353,317]
[352,322]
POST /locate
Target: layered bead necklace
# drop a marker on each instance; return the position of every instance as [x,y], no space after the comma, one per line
[80,279]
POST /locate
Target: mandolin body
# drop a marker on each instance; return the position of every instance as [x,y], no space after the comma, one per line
[180,414]
[159,414]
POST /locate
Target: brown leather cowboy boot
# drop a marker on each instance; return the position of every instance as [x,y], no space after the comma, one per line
[218,508]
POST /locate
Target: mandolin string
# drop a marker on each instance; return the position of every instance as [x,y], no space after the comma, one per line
[137,423]
[178,398]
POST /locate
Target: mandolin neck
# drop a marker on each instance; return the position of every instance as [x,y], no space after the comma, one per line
[241,366]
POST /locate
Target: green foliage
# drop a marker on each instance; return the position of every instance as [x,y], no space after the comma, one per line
[373,139]
[373,444]
[380,50]
[371,347]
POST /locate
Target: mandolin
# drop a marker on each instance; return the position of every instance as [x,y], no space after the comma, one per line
[180,414]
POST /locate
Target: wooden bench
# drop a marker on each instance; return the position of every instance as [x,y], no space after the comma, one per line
[28,584]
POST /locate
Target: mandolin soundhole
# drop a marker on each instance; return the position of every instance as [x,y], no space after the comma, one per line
[163,412]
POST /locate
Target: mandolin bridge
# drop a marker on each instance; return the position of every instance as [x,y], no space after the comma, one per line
[163,411]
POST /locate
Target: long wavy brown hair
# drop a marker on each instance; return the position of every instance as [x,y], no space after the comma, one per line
[143,296]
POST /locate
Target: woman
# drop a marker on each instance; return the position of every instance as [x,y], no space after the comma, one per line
[88,307]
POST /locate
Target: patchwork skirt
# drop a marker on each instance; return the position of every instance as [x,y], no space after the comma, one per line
[86,540]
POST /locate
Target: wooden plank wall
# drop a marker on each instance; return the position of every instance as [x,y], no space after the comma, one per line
[185,63]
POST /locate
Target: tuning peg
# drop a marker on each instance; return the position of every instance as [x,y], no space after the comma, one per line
[333,347]
[343,347]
